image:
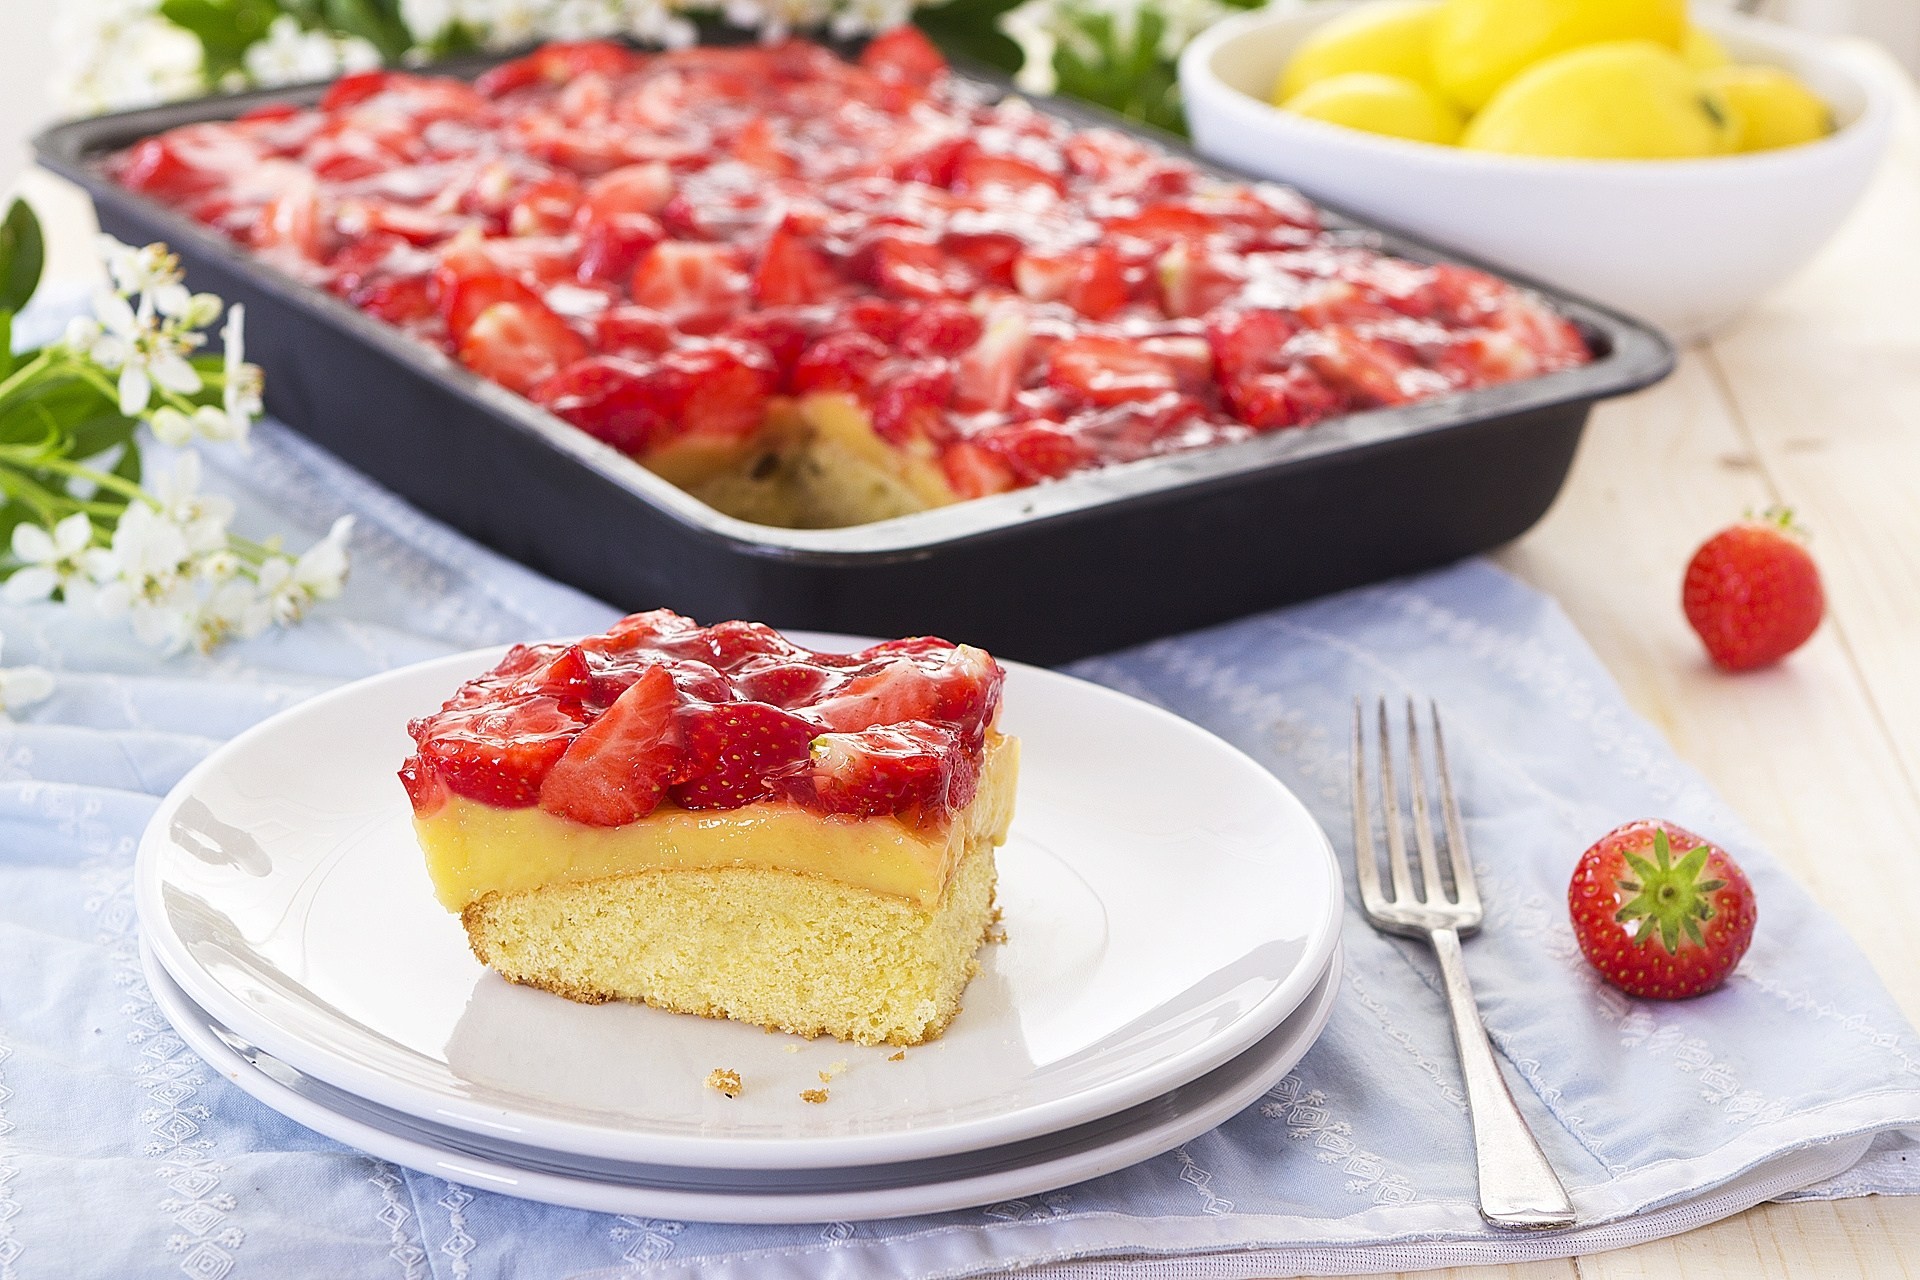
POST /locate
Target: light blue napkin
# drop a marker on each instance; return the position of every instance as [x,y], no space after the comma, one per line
[122,1156]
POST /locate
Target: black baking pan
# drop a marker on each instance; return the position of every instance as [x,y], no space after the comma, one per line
[1089,563]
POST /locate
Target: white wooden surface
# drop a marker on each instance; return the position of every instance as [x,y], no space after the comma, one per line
[1813,400]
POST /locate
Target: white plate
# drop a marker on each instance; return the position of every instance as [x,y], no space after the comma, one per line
[1167,903]
[850,1195]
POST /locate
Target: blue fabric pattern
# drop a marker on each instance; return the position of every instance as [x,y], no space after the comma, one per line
[122,1156]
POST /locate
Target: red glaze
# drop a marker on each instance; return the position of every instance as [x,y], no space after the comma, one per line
[659,710]
[1011,296]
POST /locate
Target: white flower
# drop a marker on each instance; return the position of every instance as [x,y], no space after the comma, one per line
[236,609]
[50,561]
[201,518]
[149,269]
[113,54]
[859,17]
[145,350]
[656,22]
[240,395]
[291,54]
[20,686]
[426,19]
[291,587]
[146,561]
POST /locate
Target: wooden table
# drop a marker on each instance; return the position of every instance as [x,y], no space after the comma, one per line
[1813,401]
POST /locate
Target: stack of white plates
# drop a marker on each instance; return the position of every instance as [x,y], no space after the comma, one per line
[1171,915]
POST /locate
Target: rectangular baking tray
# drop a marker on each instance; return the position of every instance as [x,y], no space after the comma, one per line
[1082,565]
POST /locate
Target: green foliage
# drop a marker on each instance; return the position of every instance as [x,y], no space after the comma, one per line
[378,22]
[1128,76]
[970,29]
[226,29]
[22,255]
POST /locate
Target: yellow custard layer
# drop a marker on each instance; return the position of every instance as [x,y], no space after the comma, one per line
[474,849]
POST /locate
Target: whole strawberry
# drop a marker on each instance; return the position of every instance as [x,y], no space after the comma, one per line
[1659,911]
[1753,593]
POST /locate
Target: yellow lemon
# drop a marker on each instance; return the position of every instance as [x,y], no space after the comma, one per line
[1628,100]
[1775,107]
[1393,105]
[1479,45]
[1391,37]
[1702,51]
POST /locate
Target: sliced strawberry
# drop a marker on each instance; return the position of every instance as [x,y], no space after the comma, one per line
[611,399]
[956,685]
[612,244]
[975,472]
[687,278]
[894,769]
[186,161]
[1370,371]
[1292,397]
[546,208]
[353,88]
[1106,370]
[782,334]
[290,223]
[631,331]
[1091,279]
[940,329]
[1194,280]
[989,253]
[464,296]
[912,403]
[988,374]
[792,271]
[760,146]
[425,789]
[878,318]
[904,54]
[839,362]
[1247,342]
[907,268]
[1164,222]
[733,642]
[739,753]
[406,301]
[727,388]
[619,767]
[1036,450]
[981,173]
[496,753]
[785,682]
[556,64]
[633,188]
[1105,154]
[519,345]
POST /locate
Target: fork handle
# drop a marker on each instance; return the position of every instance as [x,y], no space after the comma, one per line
[1518,1188]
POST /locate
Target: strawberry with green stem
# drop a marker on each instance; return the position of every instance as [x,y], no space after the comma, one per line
[1659,911]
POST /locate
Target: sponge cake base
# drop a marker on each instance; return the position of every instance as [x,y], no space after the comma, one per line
[796,952]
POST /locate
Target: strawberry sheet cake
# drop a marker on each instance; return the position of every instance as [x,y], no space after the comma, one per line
[817,292]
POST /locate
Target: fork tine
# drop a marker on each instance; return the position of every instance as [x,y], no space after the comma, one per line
[1465,888]
[1390,804]
[1436,888]
[1366,863]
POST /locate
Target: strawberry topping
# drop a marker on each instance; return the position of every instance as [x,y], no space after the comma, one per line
[1012,300]
[660,710]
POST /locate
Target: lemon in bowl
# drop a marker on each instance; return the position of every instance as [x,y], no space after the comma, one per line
[1389,37]
[1686,242]
[1623,100]
[1390,105]
[1479,46]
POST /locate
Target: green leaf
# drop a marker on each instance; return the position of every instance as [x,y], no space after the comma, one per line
[226,29]
[7,361]
[22,254]
[377,22]
[970,29]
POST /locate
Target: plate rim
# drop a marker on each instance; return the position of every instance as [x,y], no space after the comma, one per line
[591,1194]
[712,1151]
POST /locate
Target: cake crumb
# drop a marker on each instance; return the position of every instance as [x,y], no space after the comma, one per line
[725,1080]
[897,1057]
[996,928]
[793,1048]
[813,1095]
[833,1069]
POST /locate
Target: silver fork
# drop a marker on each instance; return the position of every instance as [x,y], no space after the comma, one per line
[1518,1188]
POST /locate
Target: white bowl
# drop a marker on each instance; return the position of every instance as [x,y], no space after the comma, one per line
[1684,243]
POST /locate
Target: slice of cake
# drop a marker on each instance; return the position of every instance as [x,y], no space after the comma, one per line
[716,820]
